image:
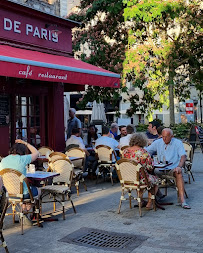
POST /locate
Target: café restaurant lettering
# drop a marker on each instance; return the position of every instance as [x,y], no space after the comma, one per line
[30,30]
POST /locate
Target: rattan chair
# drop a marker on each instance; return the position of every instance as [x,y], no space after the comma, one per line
[78,176]
[105,163]
[56,155]
[61,184]
[188,163]
[122,149]
[129,175]
[45,150]
[13,181]
[3,209]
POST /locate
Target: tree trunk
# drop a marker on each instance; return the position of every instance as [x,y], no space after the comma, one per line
[171,98]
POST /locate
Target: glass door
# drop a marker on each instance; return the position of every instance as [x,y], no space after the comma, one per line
[28,123]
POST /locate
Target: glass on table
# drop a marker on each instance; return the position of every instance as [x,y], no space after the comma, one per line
[155,158]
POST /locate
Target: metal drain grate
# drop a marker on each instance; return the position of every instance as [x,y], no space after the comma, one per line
[106,240]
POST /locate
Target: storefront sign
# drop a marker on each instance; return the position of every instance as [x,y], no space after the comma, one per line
[34,31]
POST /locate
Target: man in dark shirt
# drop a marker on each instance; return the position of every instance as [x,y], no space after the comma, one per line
[123,132]
[152,130]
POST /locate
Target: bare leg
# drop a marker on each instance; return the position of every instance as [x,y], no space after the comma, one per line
[180,186]
[149,204]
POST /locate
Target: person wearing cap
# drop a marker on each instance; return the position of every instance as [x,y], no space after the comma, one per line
[73,122]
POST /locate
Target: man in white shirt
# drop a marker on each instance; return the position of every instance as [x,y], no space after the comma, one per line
[124,141]
[171,150]
[106,140]
[75,139]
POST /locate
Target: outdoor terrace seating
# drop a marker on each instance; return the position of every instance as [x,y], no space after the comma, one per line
[13,181]
[128,172]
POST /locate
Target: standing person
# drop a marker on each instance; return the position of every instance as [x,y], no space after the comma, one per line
[73,122]
[114,129]
[171,150]
[123,132]
[124,141]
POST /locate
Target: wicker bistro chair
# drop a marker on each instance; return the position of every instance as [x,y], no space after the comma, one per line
[13,181]
[3,209]
[105,163]
[55,156]
[78,172]
[122,149]
[61,184]
[45,150]
[188,163]
[129,175]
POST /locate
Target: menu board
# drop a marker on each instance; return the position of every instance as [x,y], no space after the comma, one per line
[199,132]
[4,110]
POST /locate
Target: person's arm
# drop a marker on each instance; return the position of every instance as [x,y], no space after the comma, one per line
[32,149]
[152,148]
[178,169]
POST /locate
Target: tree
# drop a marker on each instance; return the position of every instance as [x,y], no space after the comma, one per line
[101,41]
[164,51]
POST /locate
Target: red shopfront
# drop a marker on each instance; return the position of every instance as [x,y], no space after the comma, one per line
[36,67]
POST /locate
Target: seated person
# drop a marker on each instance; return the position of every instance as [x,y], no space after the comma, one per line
[137,153]
[113,130]
[91,136]
[124,141]
[152,131]
[123,132]
[75,139]
[106,140]
[172,150]
[18,159]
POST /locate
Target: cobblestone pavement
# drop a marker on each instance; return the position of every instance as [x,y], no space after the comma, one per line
[172,230]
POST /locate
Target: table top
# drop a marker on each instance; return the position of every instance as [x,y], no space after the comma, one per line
[162,166]
[43,157]
[42,175]
[74,158]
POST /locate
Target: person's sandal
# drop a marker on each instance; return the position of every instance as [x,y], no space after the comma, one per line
[185,205]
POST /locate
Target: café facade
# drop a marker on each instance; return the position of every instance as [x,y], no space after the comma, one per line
[36,68]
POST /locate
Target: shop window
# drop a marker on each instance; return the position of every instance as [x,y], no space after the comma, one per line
[28,119]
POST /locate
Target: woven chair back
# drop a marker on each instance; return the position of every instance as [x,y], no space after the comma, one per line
[65,168]
[45,150]
[13,181]
[128,171]
[122,149]
[55,156]
[189,151]
[104,153]
[76,152]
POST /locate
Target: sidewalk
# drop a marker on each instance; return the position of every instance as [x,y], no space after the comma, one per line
[172,230]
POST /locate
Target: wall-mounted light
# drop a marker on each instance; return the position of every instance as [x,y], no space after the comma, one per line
[56,32]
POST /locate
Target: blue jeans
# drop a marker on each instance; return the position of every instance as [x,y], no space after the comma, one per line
[34,192]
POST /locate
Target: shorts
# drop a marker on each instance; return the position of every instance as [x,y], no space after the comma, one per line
[159,173]
[34,192]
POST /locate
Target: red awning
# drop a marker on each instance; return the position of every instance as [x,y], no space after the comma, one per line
[20,63]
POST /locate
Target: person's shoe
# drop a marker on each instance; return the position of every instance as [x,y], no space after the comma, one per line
[27,221]
[185,205]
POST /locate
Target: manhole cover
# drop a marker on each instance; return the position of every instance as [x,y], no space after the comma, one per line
[104,240]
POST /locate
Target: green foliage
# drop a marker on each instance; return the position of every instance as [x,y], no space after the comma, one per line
[164,48]
[181,131]
[141,128]
[104,32]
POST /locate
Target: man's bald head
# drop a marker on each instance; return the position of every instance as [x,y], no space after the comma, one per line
[167,135]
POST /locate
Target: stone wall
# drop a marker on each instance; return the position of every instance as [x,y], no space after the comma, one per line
[48,6]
